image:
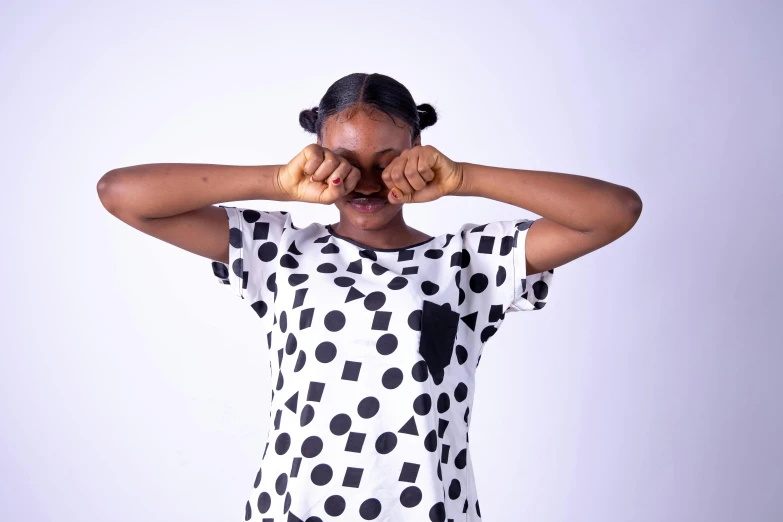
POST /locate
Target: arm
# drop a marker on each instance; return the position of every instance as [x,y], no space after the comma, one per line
[579,214]
[174,201]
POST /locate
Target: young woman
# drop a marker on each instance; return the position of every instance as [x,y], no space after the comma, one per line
[375,329]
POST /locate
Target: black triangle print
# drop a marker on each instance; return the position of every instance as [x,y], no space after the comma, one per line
[353,294]
[293,249]
[470,320]
[410,427]
[292,401]
[355,267]
[330,248]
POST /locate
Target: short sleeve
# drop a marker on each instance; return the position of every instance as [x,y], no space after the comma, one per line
[254,238]
[496,266]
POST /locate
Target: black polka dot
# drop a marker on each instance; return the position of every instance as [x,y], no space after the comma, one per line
[264,502]
[334,505]
[478,283]
[340,424]
[344,281]
[325,352]
[267,252]
[281,483]
[290,343]
[386,344]
[312,446]
[326,268]
[307,415]
[422,404]
[443,402]
[461,392]
[414,320]
[321,474]
[392,378]
[300,361]
[397,283]
[438,512]
[334,321]
[419,371]
[431,441]
[368,407]
[288,261]
[282,443]
[370,509]
[429,288]
[385,442]
[410,497]
[374,301]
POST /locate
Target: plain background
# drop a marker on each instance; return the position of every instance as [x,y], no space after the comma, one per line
[648,389]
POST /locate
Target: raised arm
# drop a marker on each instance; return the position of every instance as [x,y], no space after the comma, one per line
[579,214]
[175,202]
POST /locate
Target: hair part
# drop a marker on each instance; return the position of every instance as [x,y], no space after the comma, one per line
[374,90]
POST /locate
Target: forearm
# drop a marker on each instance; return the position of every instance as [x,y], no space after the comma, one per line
[577,202]
[167,189]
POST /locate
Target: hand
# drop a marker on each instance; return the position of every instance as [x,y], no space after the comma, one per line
[421,174]
[294,179]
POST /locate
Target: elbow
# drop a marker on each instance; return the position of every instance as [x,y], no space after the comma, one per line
[632,205]
[107,189]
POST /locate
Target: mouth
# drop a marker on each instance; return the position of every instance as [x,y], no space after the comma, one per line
[363,204]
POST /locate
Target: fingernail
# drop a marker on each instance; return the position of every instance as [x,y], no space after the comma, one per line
[394,194]
[336,181]
[311,178]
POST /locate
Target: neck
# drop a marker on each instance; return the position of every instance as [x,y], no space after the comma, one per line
[394,234]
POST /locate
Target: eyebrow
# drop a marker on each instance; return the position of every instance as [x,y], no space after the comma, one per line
[349,152]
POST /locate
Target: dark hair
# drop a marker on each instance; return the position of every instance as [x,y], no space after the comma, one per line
[377,90]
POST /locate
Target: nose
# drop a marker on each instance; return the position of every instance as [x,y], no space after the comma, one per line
[369,184]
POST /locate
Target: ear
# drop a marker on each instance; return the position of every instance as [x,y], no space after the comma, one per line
[417,141]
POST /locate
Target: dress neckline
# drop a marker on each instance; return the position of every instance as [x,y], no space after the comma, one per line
[368,247]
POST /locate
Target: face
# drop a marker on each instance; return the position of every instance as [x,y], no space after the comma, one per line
[369,140]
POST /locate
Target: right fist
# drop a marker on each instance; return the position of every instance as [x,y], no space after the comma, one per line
[310,177]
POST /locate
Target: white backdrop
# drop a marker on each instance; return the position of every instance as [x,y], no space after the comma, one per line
[648,389]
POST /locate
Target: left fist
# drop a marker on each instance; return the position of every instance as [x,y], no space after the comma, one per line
[421,174]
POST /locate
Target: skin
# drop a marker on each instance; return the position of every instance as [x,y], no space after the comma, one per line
[177,202]
[357,135]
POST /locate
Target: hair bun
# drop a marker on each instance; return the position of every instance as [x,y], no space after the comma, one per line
[307,119]
[427,115]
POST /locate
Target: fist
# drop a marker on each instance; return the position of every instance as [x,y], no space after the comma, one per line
[317,175]
[420,174]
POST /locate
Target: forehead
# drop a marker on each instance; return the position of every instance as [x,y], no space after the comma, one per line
[365,131]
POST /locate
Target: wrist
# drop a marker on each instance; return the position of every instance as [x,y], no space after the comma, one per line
[466,185]
[279,191]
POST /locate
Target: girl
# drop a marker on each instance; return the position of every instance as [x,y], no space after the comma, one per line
[374,329]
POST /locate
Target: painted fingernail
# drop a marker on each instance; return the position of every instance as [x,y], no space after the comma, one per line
[394,194]
[336,181]
[311,178]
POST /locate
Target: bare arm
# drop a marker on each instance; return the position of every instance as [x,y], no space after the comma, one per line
[579,214]
[175,202]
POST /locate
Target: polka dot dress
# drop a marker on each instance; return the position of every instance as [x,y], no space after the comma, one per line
[373,357]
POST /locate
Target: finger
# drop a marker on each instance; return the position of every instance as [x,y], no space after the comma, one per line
[327,167]
[386,174]
[425,167]
[398,178]
[314,156]
[335,181]
[412,172]
[352,179]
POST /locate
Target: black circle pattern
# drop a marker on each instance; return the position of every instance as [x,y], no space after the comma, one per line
[395,337]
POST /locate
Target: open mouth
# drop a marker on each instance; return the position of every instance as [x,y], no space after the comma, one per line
[368,204]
